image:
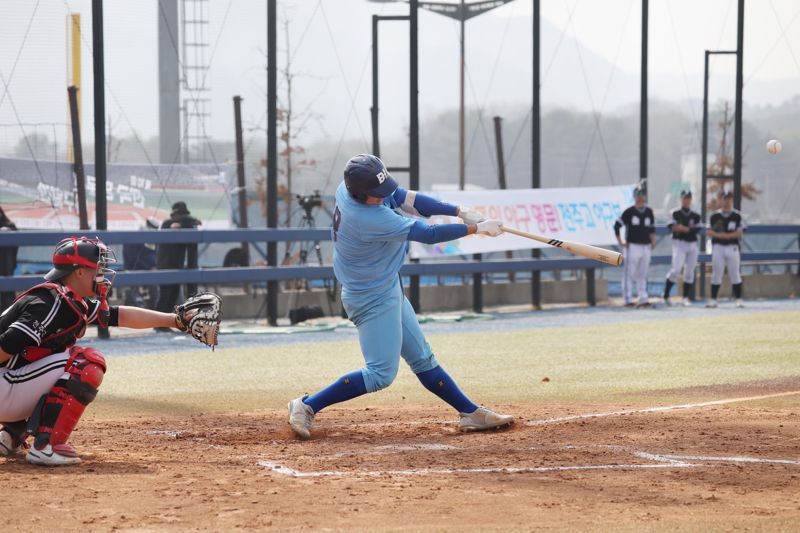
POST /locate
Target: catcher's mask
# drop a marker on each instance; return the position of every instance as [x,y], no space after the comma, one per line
[74,252]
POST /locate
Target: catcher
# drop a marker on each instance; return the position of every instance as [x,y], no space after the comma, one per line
[46,380]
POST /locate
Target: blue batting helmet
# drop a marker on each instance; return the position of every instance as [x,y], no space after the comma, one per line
[366,175]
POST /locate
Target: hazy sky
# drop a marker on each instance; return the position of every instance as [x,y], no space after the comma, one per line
[590,57]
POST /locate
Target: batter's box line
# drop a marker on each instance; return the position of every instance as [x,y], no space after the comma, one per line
[660,409]
[658,461]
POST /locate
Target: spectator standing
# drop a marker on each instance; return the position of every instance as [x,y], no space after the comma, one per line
[170,256]
[8,259]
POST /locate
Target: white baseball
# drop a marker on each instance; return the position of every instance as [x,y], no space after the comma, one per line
[774,147]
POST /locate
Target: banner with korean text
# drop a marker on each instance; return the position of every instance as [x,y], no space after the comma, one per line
[584,214]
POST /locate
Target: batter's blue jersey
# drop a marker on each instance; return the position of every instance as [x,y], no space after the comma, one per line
[369,243]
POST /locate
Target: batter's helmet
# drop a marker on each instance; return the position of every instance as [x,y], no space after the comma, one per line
[686,193]
[366,175]
[74,252]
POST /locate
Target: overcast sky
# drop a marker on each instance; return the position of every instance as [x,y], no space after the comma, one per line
[590,57]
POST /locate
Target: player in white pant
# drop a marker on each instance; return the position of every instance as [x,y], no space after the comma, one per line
[726,228]
[640,238]
[685,224]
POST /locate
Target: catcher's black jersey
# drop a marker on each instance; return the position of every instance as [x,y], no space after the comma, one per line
[688,218]
[726,222]
[49,318]
[639,224]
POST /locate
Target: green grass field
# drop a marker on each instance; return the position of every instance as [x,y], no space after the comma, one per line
[618,364]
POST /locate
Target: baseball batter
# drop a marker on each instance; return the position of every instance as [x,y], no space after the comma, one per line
[370,242]
[726,228]
[640,238]
[46,381]
[685,225]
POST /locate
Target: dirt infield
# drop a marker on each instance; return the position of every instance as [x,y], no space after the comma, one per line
[715,467]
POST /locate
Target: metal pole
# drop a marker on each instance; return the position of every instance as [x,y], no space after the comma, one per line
[101,211]
[704,175]
[376,149]
[240,178]
[461,118]
[536,144]
[414,126]
[498,141]
[272,153]
[169,90]
[98,65]
[77,152]
[737,148]
[643,100]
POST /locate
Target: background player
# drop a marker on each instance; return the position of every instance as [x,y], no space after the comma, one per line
[726,230]
[685,224]
[370,242]
[640,238]
[46,381]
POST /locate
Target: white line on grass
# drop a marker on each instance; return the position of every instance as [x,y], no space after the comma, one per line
[657,409]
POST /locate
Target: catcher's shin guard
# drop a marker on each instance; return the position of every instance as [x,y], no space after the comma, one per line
[58,411]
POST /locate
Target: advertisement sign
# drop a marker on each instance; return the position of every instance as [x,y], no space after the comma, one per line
[584,214]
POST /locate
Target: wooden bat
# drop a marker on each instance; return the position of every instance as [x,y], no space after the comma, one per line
[592,252]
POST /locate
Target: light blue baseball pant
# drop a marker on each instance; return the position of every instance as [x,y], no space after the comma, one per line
[387,329]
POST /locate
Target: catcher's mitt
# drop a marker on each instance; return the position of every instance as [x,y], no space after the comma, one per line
[199,316]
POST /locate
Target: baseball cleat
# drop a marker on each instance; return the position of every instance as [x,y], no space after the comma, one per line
[483,419]
[711,304]
[686,302]
[739,303]
[301,416]
[630,304]
[643,305]
[58,455]
[9,444]
[667,302]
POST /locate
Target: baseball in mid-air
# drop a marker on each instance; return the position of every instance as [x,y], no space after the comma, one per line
[774,147]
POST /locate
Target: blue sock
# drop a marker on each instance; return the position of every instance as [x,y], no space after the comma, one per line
[345,388]
[442,385]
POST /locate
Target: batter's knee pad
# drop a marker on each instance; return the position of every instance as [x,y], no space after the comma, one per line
[58,411]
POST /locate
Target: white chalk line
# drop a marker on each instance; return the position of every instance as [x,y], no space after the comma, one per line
[658,461]
[660,409]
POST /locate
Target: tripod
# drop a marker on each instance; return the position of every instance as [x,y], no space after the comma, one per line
[307,247]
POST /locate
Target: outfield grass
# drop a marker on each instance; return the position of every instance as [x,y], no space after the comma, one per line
[604,365]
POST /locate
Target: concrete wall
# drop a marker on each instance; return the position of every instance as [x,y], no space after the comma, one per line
[433,298]
[784,285]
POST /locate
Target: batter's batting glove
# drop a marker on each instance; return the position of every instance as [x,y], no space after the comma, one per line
[469,216]
[493,228]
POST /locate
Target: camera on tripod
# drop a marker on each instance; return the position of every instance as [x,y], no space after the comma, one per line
[309,201]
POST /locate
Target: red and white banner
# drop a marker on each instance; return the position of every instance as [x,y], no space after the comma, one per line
[584,214]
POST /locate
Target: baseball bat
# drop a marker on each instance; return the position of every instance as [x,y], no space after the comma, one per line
[592,252]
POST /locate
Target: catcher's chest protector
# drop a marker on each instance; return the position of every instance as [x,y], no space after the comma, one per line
[61,328]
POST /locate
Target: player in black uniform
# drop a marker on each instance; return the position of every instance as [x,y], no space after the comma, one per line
[726,228]
[685,225]
[640,238]
[46,381]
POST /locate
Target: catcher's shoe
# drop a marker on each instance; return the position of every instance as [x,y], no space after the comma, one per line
[58,455]
[9,444]
[301,416]
[483,419]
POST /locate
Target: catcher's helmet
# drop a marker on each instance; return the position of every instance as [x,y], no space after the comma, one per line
[366,175]
[74,252]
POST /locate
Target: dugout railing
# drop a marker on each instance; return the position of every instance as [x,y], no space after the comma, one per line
[241,275]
